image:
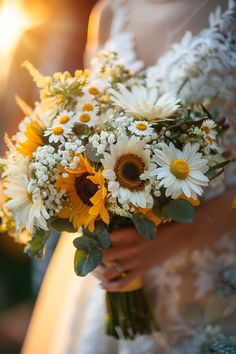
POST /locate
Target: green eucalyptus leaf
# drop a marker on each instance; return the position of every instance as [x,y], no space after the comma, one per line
[180,210]
[63,225]
[36,246]
[100,234]
[85,243]
[144,226]
[86,262]
[158,212]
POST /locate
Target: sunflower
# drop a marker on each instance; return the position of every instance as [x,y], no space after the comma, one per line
[86,191]
[32,138]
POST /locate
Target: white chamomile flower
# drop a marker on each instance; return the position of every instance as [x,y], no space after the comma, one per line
[88,118]
[209,130]
[96,87]
[141,128]
[16,163]
[143,103]
[57,133]
[65,119]
[27,208]
[87,104]
[127,161]
[181,171]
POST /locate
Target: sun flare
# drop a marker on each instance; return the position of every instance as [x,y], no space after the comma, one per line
[14,21]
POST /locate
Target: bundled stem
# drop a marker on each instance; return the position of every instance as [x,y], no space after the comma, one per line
[129,314]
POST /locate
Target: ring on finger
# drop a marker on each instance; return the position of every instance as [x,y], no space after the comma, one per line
[118,267]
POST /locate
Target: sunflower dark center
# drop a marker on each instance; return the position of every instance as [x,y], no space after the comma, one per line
[128,169]
[85,188]
[131,171]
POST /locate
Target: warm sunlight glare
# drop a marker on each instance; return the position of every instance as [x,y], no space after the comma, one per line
[14,21]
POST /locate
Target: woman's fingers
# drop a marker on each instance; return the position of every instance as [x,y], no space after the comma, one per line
[125,236]
[119,284]
[116,253]
[114,271]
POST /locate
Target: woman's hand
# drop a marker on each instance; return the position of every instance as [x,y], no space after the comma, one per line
[130,256]
[133,255]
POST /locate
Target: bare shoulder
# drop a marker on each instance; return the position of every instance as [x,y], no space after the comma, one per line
[99,28]
[103,13]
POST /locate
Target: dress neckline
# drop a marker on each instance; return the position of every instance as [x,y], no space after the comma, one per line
[125,40]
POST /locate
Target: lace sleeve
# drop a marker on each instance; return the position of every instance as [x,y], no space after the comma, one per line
[202,65]
[122,41]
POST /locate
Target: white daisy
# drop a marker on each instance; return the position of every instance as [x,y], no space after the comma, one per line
[88,118]
[141,128]
[96,87]
[65,118]
[28,209]
[15,163]
[181,171]
[57,133]
[143,103]
[124,165]
[208,128]
[86,103]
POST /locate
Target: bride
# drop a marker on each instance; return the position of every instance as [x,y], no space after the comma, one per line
[183,263]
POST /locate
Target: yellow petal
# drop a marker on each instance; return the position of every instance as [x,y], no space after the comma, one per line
[194,202]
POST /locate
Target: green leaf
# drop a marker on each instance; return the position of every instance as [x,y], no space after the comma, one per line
[158,212]
[180,210]
[85,262]
[91,154]
[63,225]
[100,234]
[36,246]
[1,167]
[144,226]
[85,243]
[217,166]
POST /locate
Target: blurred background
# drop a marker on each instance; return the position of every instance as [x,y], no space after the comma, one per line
[51,34]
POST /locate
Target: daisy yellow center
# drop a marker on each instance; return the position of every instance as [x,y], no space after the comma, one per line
[93,91]
[85,117]
[85,188]
[64,119]
[105,98]
[29,197]
[58,130]
[128,169]
[180,169]
[206,130]
[141,126]
[87,107]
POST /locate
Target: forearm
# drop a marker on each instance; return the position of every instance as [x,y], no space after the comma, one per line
[213,218]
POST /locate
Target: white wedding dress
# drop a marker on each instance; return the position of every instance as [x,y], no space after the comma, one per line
[70,311]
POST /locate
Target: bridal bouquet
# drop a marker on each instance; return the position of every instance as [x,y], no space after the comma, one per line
[104,150]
